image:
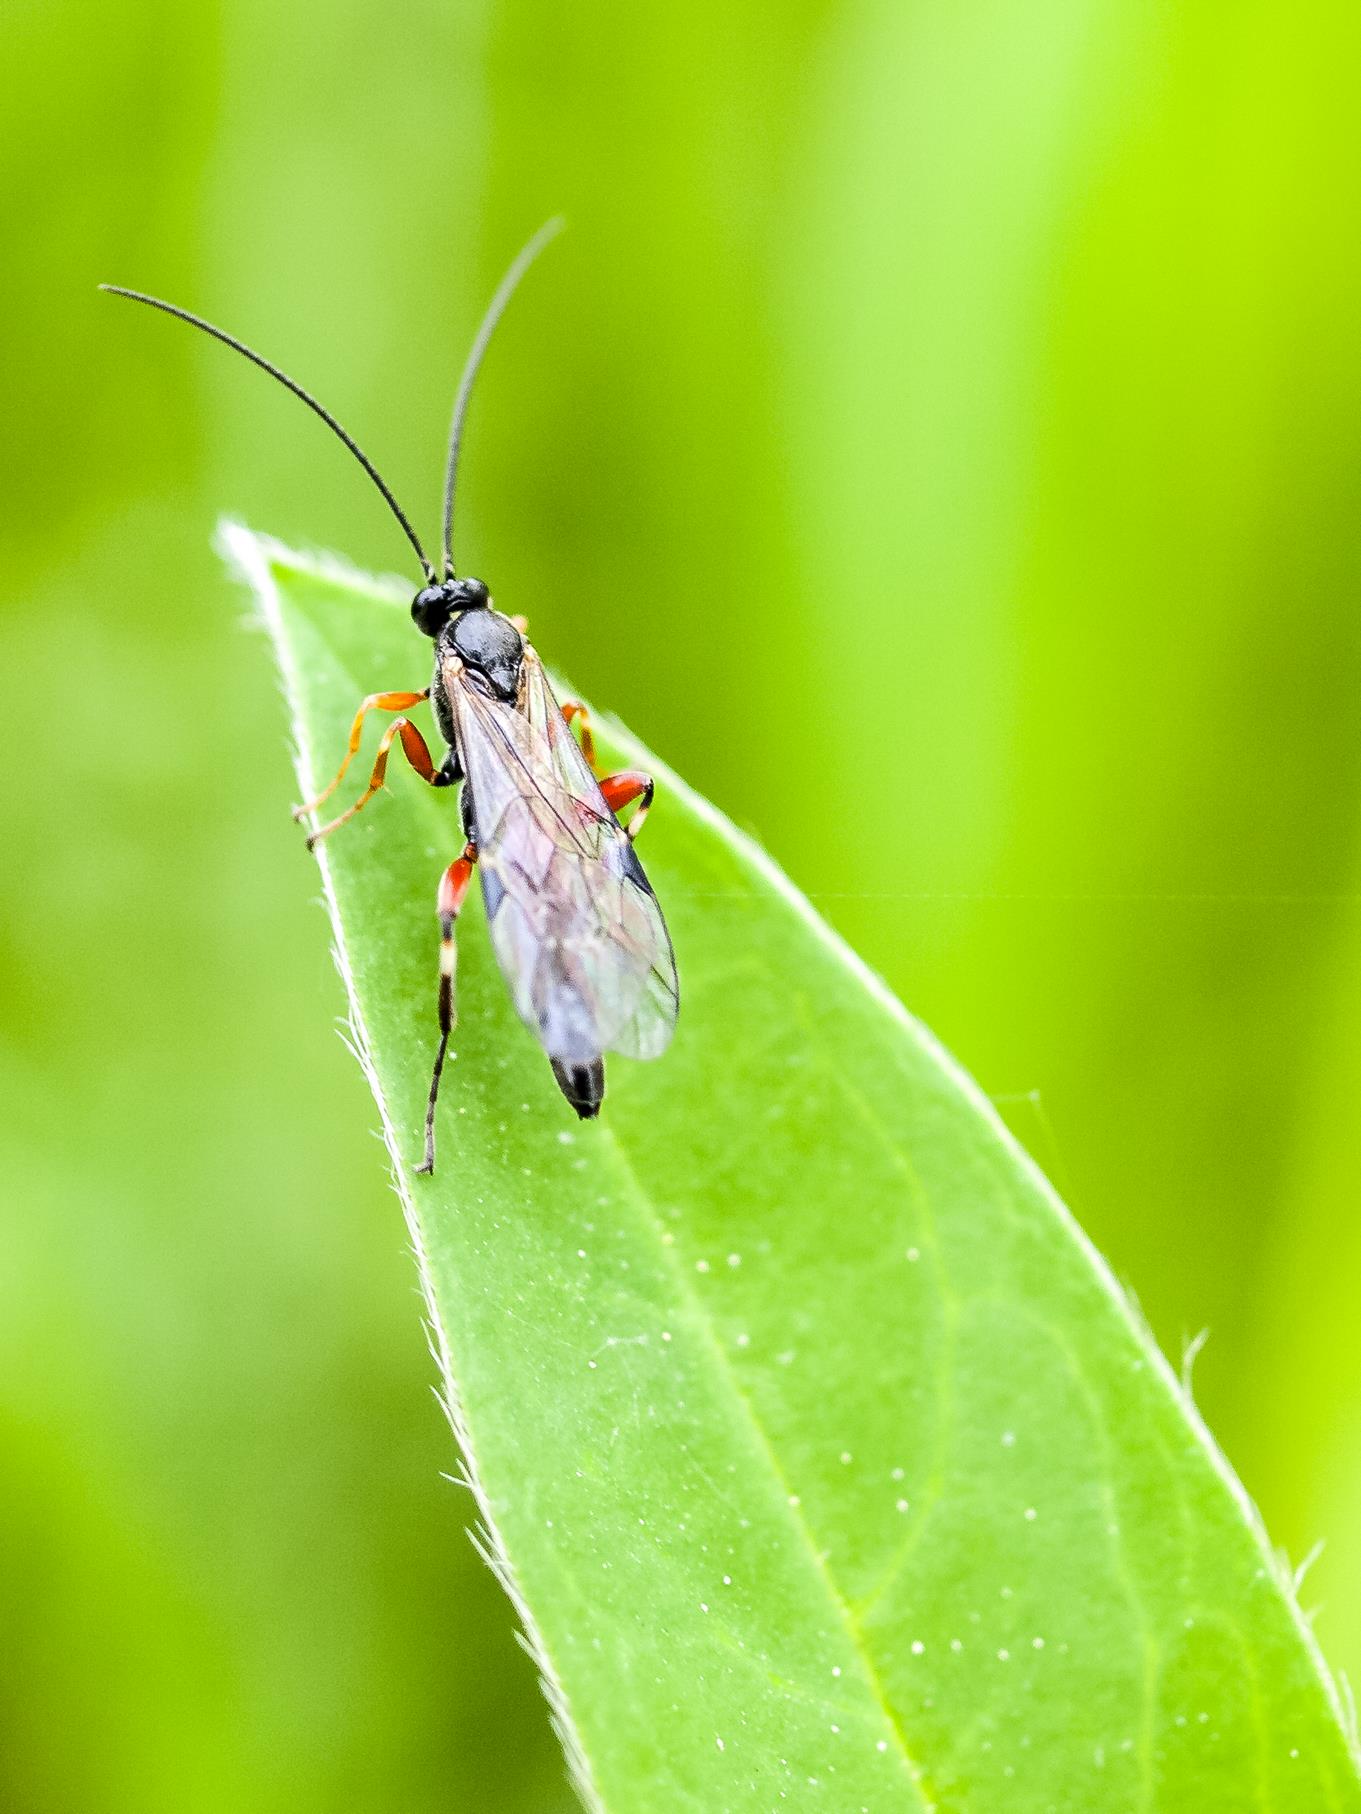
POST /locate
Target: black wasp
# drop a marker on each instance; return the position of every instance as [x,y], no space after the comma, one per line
[574,923]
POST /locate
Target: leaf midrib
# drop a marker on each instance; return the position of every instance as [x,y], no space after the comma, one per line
[789,1508]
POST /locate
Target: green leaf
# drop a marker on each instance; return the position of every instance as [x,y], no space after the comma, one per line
[827,1465]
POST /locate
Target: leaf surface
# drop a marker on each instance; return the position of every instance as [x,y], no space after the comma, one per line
[826,1463]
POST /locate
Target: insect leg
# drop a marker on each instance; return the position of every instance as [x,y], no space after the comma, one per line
[619,790]
[380,702]
[629,784]
[417,753]
[575,709]
[453,886]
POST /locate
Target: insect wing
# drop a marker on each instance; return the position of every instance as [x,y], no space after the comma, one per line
[574,924]
[654,1020]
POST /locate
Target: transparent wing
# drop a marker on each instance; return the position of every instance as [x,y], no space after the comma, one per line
[576,929]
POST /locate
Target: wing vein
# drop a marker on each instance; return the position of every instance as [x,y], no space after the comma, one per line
[574,924]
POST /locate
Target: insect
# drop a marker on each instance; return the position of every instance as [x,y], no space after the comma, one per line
[574,923]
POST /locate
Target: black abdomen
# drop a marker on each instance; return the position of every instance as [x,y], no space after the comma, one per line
[582,1084]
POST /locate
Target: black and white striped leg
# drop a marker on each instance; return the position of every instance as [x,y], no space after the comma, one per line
[453,887]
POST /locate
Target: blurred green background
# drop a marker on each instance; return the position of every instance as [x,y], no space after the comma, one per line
[940,436]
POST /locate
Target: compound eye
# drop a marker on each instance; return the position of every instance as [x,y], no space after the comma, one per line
[475,593]
[430,610]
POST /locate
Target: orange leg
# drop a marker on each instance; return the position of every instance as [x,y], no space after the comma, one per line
[380,702]
[575,709]
[453,887]
[628,785]
[417,754]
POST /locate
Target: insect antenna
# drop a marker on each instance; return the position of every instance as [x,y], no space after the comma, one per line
[496,308]
[196,321]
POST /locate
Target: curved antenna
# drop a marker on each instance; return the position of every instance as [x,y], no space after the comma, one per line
[496,308]
[196,321]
